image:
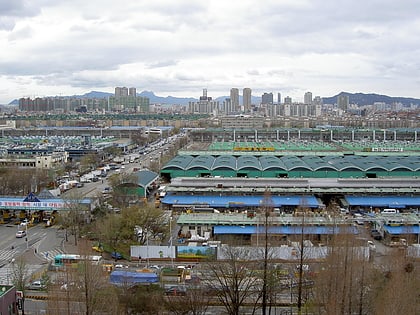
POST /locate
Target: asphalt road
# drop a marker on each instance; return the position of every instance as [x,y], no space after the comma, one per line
[38,248]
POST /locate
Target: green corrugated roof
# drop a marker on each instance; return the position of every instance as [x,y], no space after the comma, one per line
[145,177]
[248,161]
[225,161]
[290,162]
[203,161]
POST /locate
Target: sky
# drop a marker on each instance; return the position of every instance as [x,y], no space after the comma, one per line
[179,47]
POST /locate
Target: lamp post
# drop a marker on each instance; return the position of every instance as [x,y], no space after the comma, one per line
[26,237]
[147,248]
[171,241]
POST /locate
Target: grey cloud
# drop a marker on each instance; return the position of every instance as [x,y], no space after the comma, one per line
[19,34]
[162,64]
[11,10]
[7,23]
[18,8]
[253,72]
[188,77]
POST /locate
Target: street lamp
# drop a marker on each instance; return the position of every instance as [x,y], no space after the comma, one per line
[147,248]
[26,237]
[171,241]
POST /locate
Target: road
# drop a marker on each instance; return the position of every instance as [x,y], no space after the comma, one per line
[38,248]
[94,189]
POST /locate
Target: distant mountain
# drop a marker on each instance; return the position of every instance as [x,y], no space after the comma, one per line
[254,99]
[368,99]
[95,94]
[166,100]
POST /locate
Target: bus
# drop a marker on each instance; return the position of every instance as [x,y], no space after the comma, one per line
[63,260]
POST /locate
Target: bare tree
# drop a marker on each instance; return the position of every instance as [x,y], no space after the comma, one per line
[83,288]
[194,302]
[344,284]
[397,286]
[302,251]
[76,214]
[20,273]
[266,209]
[234,281]
[123,186]
[15,181]
[143,299]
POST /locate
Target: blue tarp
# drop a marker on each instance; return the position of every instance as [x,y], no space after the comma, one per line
[402,229]
[384,201]
[217,201]
[236,229]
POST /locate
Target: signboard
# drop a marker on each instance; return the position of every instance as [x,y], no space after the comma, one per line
[29,205]
[19,303]
[187,252]
[19,300]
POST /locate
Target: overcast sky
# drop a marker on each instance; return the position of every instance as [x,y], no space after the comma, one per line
[179,47]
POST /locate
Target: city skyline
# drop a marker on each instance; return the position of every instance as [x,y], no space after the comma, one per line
[53,48]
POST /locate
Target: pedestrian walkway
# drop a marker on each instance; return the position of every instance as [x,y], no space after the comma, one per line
[35,262]
[6,273]
[7,255]
[36,257]
[49,255]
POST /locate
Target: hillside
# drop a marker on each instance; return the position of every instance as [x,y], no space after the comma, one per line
[368,99]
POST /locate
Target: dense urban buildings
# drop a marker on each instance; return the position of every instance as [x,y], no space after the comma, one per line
[124,99]
[311,112]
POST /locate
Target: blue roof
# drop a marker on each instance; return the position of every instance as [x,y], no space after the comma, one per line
[239,201]
[235,229]
[402,229]
[384,201]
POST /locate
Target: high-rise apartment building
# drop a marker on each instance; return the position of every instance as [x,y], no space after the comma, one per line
[121,91]
[343,102]
[317,100]
[278,98]
[307,98]
[288,100]
[227,106]
[205,105]
[267,98]
[127,100]
[247,99]
[132,91]
[234,98]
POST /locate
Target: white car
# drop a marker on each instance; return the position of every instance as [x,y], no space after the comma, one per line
[24,222]
[37,285]
[20,234]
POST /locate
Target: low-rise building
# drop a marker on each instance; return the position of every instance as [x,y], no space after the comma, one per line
[45,161]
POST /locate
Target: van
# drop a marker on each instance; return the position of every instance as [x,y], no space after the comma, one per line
[389,211]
